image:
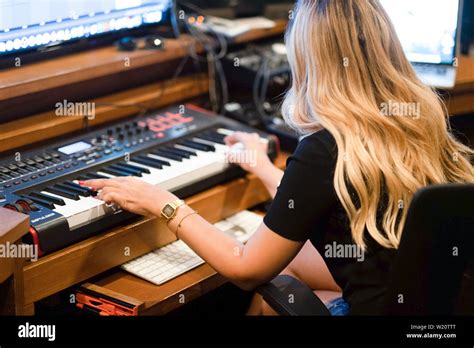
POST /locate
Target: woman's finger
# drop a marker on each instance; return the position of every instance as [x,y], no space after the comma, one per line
[98,184]
[230,139]
[105,190]
[114,197]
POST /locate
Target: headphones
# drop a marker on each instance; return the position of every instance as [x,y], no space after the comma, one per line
[151,42]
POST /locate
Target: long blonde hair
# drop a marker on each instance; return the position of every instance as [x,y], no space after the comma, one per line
[348,72]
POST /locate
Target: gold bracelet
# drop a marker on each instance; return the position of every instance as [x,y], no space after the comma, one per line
[181,221]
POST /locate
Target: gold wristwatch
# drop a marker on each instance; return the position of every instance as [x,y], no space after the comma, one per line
[170,209]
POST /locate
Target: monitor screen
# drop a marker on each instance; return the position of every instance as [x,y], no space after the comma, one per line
[31,24]
[426,28]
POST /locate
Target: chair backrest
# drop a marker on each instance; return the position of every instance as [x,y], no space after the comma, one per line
[436,248]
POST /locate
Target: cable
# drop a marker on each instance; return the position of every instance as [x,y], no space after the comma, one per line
[214,65]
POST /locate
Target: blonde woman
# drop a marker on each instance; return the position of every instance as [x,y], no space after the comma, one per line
[351,179]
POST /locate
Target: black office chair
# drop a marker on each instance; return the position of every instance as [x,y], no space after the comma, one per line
[434,261]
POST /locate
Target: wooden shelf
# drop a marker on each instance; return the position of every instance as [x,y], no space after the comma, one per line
[85,66]
[48,125]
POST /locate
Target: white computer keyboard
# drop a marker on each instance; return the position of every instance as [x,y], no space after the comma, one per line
[176,258]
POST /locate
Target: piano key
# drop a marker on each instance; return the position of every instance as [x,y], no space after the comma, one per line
[210,137]
[131,171]
[92,176]
[172,152]
[225,131]
[107,175]
[177,152]
[62,193]
[115,172]
[85,190]
[146,162]
[82,211]
[215,133]
[160,160]
[41,202]
[48,198]
[83,178]
[128,165]
[67,188]
[167,155]
[188,152]
[197,145]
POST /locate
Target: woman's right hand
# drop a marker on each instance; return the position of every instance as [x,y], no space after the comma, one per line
[253,158]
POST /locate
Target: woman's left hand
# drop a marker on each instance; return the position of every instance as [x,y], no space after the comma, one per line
[131,194]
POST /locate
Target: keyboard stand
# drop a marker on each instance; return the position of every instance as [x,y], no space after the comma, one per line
[80,262]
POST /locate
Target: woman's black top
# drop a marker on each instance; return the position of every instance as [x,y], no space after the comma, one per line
[306,207]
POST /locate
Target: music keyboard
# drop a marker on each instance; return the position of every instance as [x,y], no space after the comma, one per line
[183,152]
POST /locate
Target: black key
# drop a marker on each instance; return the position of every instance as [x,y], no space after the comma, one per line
[4,170]
[131,166]
[162,162]
[114,172]
[47,157]
[188,152]
[20,164]
[38,159]
[39,165]
[171,151]
[167,155]
[217,134]
[210,137]
[41,202]
[82,178]
[146,162]
[30,162]
[90,191]
[48,198]
[197,146]
[133,172]
[82,191]
[64,193]
[11,166]
[90,176]
[177,152]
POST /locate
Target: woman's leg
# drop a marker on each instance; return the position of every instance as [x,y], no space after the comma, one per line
[309,268]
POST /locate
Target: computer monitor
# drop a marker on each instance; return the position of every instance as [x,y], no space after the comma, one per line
[427,28]
[42,25]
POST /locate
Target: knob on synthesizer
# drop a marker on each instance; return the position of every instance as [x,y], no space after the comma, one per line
[182,152]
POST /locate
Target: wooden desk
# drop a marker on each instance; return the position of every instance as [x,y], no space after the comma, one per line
[12,228]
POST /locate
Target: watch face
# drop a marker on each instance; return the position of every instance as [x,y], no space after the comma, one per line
[168,210]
